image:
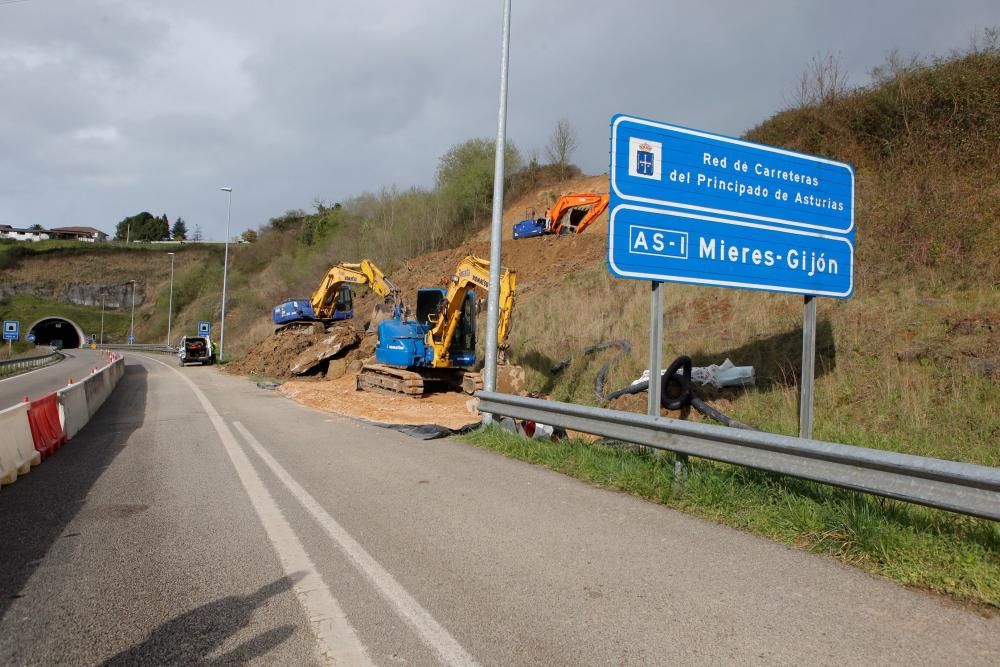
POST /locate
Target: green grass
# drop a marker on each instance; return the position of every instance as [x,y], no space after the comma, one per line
[916,546]
[12,252]
[29,309]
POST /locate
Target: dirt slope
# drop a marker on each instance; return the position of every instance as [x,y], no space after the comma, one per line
[537,261]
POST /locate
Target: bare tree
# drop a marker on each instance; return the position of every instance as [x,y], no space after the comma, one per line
[562,143]
[823,80]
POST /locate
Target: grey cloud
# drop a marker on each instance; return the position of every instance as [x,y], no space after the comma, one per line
[110,107]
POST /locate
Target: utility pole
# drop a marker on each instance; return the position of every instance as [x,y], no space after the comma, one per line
[131,329]
[225,271]
[170,307]
[496,227]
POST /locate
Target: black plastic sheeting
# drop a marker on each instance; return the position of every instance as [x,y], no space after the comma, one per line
[424,431]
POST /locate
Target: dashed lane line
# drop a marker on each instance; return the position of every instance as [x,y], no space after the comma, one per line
[433,634]
[338,641]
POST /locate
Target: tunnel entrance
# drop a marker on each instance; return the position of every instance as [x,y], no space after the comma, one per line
[57,331]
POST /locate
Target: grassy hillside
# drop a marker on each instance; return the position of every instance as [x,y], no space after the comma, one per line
[31,309]
[52,268]
[911,362]
[925,141]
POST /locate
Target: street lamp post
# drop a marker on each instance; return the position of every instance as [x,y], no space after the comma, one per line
[131,328]
[170,305]
[102,316]
[225,271]
[496,225]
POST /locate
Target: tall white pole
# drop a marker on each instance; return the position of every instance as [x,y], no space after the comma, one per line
[225,271]
[102,316]
[131,328]
[496,226]
[170,305]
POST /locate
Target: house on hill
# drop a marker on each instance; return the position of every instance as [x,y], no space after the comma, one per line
[19,234]
[37,233]
[87,234]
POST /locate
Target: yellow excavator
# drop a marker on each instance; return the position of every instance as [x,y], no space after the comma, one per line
[439,347]
[333,300]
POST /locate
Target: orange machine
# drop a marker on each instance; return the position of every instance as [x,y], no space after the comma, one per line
[572,213]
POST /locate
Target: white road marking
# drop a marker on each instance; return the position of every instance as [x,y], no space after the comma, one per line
[338,642]
[429,630]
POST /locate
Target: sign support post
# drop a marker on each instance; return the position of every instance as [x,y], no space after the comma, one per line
[808,375]
[655,347]
[11,332]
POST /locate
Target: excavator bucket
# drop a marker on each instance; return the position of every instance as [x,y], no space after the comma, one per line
[380,313]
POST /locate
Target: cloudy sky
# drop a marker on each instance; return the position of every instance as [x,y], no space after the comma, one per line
[111,107]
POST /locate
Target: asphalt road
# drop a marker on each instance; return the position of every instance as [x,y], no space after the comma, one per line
[199,519]
[39,382]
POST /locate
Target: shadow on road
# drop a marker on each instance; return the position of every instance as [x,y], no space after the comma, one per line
[35,510]
[189,638]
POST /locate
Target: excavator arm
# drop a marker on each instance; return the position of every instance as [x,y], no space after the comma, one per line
[365,272]
[470,273]
[555,217]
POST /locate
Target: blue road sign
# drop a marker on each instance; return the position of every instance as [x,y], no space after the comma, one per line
[657,244]
[689,206]
[30,337]
[204,328]
[131,339]
[10,329]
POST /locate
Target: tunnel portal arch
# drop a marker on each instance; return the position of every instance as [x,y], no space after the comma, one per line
[59,329]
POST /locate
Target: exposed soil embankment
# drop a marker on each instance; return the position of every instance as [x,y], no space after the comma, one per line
[447,409]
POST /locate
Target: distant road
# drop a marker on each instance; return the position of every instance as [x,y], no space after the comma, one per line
[201,520]
[37,383]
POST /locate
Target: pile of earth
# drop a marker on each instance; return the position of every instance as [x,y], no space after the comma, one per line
[338,350]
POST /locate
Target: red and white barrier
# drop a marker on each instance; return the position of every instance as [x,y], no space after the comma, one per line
[32,431]
[17,446]
[46,429]
[73,409]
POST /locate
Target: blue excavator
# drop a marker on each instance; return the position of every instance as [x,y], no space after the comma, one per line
[333,300]
[439,346]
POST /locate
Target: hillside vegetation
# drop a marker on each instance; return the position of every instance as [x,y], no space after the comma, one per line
[924,139]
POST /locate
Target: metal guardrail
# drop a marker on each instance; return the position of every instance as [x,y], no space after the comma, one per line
[145,347]
[958,487]
[13,366]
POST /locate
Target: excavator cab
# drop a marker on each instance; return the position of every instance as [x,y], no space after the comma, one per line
[429,305]
[343,309]
[463,345]
[432,304]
